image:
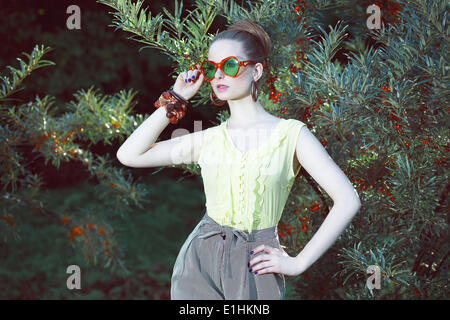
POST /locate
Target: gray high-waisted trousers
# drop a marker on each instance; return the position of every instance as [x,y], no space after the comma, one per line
[213,265]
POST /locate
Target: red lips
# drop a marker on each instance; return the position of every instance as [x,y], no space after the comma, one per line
[221,86]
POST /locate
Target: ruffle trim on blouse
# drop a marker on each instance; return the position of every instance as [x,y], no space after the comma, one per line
[261,158]
[264,163]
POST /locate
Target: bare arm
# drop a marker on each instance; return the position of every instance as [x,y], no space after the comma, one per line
[144,137]
[141,151]
[316,161]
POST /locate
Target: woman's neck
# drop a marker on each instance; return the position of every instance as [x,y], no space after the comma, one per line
[246,113]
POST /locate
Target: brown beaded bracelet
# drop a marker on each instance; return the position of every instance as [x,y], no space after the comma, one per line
[175,105]
[180,99]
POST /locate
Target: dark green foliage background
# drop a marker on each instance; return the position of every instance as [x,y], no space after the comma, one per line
[34,266]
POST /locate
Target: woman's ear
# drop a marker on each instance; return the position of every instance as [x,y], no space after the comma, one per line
[258,71]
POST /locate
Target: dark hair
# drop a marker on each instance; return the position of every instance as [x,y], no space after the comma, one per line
[255,40]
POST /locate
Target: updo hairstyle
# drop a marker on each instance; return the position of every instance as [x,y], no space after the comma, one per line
[254,39]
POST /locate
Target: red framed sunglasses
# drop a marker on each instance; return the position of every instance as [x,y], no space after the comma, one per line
[230,66]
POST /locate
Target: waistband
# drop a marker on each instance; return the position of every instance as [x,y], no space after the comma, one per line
[254,235]
[209,227]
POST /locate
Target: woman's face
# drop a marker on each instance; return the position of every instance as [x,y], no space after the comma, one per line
[239,86]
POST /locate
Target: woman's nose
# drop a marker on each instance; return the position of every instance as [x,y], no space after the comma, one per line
[219,73]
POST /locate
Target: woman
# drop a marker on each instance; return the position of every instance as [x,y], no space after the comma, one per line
[248,165]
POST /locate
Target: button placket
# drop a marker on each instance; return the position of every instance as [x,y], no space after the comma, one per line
[242,186]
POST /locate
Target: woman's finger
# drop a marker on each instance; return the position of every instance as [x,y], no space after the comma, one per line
[261,248]
[183,76]
[271,269]
[192,76]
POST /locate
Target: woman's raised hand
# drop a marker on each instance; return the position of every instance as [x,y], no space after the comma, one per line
[188,83]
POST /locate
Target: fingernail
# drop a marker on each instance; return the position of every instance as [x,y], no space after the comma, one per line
[193,77]
[251,252]
[248,264]
[256,272]
[185,80]
[251,269]
[189,80]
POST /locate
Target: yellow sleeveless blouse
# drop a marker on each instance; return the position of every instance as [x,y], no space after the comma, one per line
[248,190]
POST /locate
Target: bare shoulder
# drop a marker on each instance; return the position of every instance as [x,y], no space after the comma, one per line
[315,159]
[273,121]
[306,140]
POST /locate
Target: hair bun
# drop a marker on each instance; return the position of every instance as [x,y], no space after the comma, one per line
[249,26]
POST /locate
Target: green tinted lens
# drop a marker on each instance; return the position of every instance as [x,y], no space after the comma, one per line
[209,69]
[231,67]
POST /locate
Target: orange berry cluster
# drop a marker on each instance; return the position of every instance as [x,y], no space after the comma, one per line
[56,148]
[443,160]
[76,231]
[425,143]
[301,6]
[274,95]
[304,221]
[65,220]
[393,115]
[361,181]
[395,119]
[362,184]
[8,220]
[315,206]
[81,231]
[384,192]
[271,86]
[387,89]
[308,111]
[300,56]
[284,228]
